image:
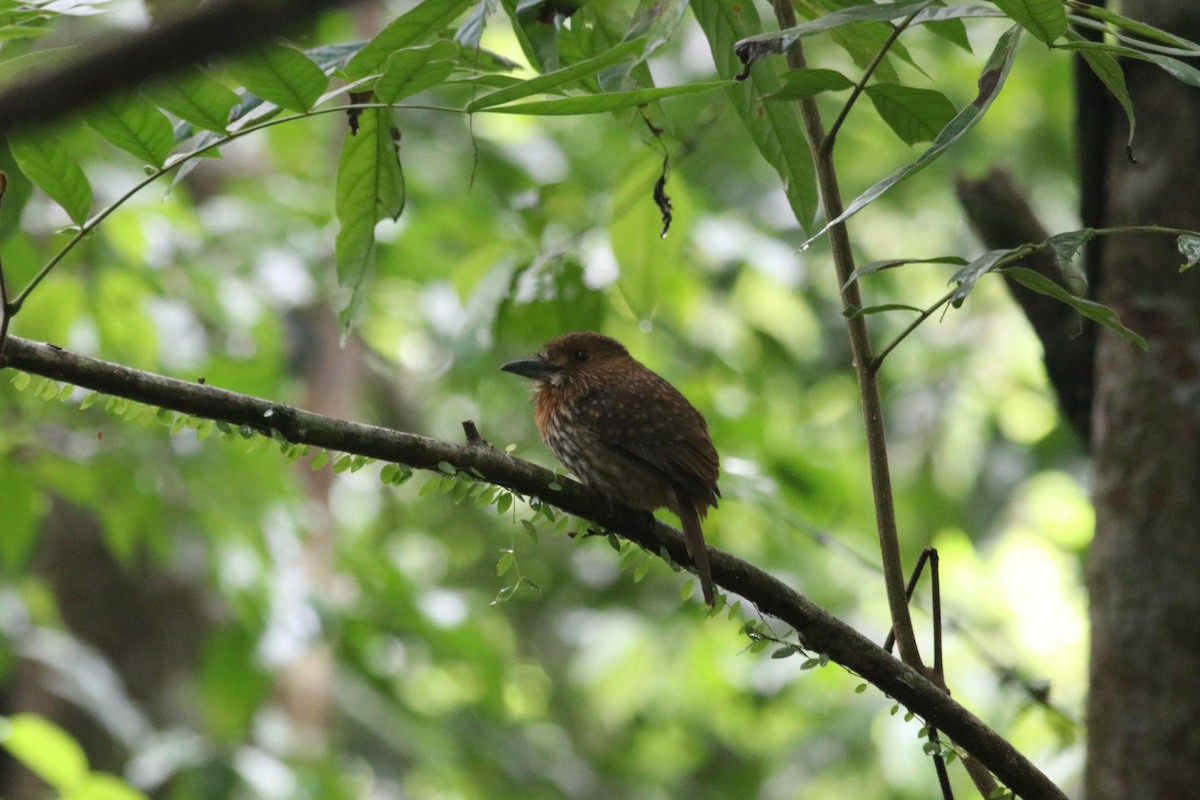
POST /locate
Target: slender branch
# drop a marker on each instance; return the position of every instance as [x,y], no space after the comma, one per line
[220,27]
[877,361]
[860,343]
[831,137]
[821,631]
[176,161]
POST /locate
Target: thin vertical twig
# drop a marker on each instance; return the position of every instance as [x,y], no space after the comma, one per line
[860,343]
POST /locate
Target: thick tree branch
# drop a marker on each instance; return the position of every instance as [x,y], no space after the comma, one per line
[217,28]
[821,631]
[1001,218]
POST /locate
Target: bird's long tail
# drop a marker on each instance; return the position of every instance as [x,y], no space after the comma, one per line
[693,538]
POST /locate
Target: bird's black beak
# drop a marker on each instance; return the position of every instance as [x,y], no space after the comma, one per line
[534,368]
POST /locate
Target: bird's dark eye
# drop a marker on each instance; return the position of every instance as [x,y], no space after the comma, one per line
[581,355]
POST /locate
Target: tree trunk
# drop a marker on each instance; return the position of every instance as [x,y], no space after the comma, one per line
[1144,705]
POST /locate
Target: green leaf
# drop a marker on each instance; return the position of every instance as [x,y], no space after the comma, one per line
[753,48]
[1092,310]
[281,75]
[1184,73]
[46,161]
[775,128]
[195,97]
[602,103]
[370,187]
[132,123]
[801,83]
[1108,70]
[507,559]
[966,277]
[426,19]
[916,115]
[851,313]
[787,651]
[553,80]
[1066,245]
[991,80]
[891,263]
[946,22]
[13,32]
[1141,29]
[415,69]
[1045,19]
[100,786]
[24,507]
[1189,248]
[45,749]
[535,28]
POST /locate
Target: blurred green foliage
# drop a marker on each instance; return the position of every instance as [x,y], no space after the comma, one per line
[351,642]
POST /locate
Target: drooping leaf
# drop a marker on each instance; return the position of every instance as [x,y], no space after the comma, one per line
[801,83]
[132,123]
[991,80]
[916,115]
[418,25]
[1092,310]
[370,187]
[281,75]
[1108,70]
[775,128]
[1045,19]
[195,97]
[46,161]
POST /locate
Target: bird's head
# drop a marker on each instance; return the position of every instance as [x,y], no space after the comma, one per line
[569,357]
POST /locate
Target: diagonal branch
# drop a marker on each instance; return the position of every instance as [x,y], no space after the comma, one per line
[820,630]
[217,28]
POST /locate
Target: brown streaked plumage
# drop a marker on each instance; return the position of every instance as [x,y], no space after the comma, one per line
[625,431]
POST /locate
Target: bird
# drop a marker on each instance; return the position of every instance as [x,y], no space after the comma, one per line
[624,430]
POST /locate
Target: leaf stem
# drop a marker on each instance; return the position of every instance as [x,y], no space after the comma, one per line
[877,361]
[828,140]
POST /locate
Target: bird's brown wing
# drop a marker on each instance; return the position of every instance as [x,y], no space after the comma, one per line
[647,419]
